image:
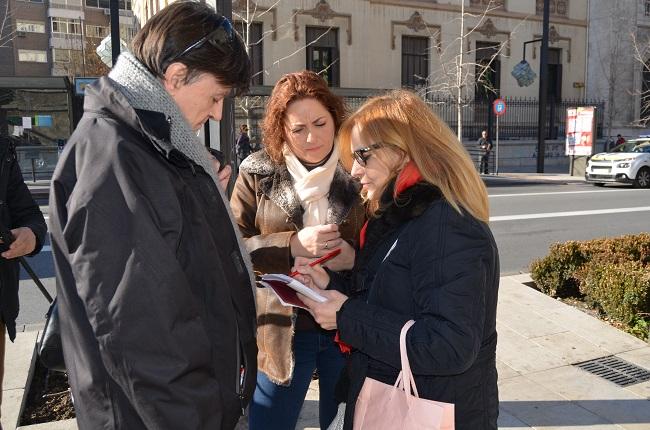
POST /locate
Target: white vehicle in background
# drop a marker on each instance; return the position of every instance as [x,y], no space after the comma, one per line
[628,163]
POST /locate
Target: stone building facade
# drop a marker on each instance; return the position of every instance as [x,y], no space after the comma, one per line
[618,47]
[371,44]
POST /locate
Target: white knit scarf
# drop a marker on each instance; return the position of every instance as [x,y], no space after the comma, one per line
[312,186]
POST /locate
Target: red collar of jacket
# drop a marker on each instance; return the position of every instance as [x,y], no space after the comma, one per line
[409,176]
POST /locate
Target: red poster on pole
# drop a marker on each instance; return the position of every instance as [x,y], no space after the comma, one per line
[580,130]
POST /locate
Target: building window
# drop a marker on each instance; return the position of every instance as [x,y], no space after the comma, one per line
[323,53]
[554,88]
[61,55]
[97,31]
[105,4]
[492,4]
[556,7]
[33,1]
[74,4]
[30,26]
[647,7]
[488,71]
[256,45]
[32,56]
[415,61]
[126,33]
[66,26]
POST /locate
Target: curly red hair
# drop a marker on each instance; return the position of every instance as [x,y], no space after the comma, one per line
[292,87]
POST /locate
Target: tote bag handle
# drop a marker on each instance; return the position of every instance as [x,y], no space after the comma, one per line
[405,379]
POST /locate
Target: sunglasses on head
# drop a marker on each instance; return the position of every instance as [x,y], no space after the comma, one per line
[221,37]
[363,154]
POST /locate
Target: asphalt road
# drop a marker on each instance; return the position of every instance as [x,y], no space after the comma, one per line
[526,217]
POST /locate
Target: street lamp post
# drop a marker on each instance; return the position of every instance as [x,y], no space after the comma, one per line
[226,125]
[115,30]
[543,85]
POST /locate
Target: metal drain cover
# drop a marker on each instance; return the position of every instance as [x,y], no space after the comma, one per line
[616,370]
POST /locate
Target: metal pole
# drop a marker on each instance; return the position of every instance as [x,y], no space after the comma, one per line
[115,29]
[496,167]
[543,85]
[227,123]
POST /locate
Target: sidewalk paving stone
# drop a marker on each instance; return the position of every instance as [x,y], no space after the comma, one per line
[539,339]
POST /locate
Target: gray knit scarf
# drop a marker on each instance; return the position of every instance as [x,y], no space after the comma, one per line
[144,91]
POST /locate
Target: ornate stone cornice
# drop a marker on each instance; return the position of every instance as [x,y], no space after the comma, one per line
[239,7]
[322,12]
[553,38]
[499,13]
[489,30]
[417,24]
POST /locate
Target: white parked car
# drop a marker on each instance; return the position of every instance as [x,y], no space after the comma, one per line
[628,163]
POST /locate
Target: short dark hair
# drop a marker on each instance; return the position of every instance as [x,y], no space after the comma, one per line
[178,26]
[292,87]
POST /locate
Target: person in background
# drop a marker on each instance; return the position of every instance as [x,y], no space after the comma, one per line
[427,254]
[155,287]
[485,148]
[619,140]
[294,199]
[243,144]
[20,214]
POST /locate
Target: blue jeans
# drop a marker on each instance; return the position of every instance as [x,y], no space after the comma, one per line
[275,407]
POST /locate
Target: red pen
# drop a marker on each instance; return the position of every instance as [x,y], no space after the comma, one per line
[320,260]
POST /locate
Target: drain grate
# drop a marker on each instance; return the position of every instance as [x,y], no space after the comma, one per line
[616,370]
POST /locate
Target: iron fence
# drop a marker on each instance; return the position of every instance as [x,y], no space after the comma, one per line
[519,122]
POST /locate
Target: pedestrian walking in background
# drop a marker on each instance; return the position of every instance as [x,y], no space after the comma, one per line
[154,284]
[427,254]
[485,148]
[619,140]
[243,144]
[294,199]
[21,215]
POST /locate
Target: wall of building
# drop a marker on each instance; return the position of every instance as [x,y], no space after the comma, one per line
[36,12]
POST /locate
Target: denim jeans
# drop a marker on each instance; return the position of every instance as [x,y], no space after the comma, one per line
[275,407]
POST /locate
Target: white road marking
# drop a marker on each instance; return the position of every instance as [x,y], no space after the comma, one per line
[568,192]
[569,213]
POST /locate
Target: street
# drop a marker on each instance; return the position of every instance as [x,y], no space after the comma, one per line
[526,217]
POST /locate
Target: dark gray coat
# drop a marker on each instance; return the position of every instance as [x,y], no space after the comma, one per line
[156,305]
[443,272]
[17,209]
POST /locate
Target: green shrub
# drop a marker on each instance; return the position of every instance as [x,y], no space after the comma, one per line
[620,290]
[555,274]
[560,273]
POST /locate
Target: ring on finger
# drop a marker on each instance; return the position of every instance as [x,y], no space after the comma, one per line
[327,245]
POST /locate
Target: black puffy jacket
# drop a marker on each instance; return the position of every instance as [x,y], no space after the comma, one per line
[442,272]
[17,209]
[155,303]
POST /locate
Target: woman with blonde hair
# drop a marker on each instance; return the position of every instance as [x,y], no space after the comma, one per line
[427,254]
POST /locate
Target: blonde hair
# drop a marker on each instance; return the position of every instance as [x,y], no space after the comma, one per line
[401,121]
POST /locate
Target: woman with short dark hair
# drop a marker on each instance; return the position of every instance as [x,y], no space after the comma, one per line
[154,284]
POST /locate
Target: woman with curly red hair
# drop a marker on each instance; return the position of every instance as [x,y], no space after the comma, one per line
[294,199]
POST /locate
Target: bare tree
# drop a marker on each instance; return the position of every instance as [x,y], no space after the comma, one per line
[610,52]
[456,76]
[7,30]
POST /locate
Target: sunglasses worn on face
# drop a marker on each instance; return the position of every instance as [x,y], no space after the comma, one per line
[362,155]
[221,37]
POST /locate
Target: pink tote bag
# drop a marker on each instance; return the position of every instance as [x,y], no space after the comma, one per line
[393,407]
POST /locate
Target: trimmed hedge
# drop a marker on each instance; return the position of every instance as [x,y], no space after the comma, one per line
[621,291]
[611,275]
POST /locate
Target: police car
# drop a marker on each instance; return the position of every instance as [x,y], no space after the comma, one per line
[628,163]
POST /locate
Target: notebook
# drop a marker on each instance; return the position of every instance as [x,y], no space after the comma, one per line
[285,288]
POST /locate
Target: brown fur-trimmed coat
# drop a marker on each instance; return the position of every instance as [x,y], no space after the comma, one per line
[268,211]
